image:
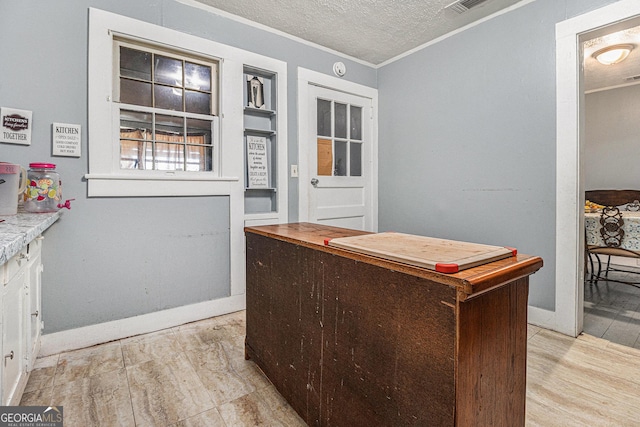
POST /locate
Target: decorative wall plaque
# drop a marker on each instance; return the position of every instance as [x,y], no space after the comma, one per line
[66,139]
[15,126]
[257,162]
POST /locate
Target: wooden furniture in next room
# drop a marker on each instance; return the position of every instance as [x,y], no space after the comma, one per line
[350,339]
[612,197]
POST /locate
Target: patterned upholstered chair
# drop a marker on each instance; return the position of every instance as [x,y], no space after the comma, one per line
[612,233]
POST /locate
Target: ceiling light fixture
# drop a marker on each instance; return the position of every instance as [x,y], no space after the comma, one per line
[613,54]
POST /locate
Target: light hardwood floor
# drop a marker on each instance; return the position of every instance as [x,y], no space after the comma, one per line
[196,375]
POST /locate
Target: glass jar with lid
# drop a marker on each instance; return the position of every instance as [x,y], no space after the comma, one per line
[44,189]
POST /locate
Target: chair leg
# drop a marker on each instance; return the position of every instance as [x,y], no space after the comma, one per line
[591,270]
[599,269]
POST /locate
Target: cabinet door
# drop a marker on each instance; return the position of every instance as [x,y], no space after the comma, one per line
[33,302]
[13,336]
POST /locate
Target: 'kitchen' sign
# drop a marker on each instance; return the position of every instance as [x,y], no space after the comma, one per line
[15,126]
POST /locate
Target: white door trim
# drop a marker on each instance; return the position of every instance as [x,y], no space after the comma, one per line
[569,307]
[308,77]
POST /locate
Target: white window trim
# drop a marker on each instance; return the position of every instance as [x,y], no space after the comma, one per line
[103,177]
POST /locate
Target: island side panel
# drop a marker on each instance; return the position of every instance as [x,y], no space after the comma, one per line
[283,316]
[348,343]
[492,357]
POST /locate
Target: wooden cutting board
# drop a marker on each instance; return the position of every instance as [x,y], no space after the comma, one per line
[445,256]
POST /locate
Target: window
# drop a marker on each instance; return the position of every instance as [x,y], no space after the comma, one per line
[167,108]
[339,138]
[165,111]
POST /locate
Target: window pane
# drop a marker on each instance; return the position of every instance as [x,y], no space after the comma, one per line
[340,167]
[135,63]
[169,157]
[197,77]
[355,159]
[324,117]
[135,140]
[341,120]
[356,123]
[199,130]
[196,102]
[168,71]
[169,128]
[134,92]
[168,98]
[199,158]
[135,120]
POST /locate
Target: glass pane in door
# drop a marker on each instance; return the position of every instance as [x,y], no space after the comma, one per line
[355,159]
[356,123]
[340,167]
[324,117]
[341,120]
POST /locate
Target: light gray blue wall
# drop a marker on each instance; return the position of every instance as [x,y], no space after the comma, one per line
[468,136]
[612,139]
[109,259]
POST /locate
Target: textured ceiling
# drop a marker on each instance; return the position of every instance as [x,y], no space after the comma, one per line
[373,31]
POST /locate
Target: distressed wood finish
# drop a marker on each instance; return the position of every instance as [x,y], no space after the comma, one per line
[353,340]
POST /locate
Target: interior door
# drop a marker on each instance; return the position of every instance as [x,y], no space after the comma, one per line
[340,159]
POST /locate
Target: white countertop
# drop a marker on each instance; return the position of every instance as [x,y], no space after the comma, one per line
[16,231]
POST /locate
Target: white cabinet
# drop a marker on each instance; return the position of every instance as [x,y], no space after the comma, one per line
[20,298]
[13,357]
[33,302]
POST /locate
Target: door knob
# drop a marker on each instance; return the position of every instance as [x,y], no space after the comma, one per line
[314,182]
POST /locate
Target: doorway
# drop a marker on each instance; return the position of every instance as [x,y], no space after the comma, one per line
[338,152]
[568,315]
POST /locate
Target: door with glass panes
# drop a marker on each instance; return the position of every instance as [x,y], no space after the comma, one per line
[340,159]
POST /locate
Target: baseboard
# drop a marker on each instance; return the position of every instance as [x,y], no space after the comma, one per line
[541,317]
[87,336]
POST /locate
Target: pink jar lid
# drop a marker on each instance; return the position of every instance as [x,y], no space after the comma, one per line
[42,166]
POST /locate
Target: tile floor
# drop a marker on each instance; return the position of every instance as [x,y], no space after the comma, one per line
[196,375]
[190,375]
[612,310]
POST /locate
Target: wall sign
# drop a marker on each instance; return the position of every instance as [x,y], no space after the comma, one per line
[257,162]
[15,126]
[66,139]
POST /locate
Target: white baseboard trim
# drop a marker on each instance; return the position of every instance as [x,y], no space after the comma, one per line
[541,317]
[87,336]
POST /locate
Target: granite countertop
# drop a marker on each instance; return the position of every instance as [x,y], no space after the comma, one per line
[16,231]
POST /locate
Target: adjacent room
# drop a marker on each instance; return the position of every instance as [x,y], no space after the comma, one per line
[320,212]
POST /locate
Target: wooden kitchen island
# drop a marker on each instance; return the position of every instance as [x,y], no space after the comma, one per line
[355,340]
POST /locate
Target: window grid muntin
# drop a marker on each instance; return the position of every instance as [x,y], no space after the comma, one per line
[155,81]
[210,149]
[348,141]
